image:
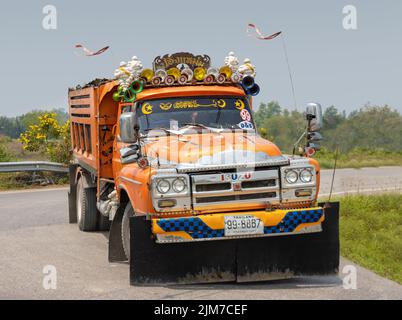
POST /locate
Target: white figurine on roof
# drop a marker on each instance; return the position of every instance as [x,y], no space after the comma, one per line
[127,72]
[232,62]
[247,68]
[135,66]
[122,74]
[119,72]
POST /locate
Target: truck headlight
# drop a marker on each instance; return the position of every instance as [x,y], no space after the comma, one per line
[170,185]
[291,176]
[170,192]
[163,186]
[306,176]
[179,185]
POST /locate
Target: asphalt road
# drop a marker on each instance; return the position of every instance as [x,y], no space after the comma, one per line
[34,233]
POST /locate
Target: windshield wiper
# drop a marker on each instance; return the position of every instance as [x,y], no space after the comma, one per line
[199,125]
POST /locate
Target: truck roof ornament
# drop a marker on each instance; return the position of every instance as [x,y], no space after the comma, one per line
[181,68]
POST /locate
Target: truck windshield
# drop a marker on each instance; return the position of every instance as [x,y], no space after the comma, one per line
[204,112]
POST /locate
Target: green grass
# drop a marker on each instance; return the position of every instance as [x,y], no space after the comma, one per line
[371,233]
[23,180]
[359,158]
[11,150]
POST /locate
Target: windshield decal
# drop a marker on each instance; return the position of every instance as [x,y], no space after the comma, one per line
[246,125]
[239,104]
[245,115]
[187,104]
[146,108]
[165,106]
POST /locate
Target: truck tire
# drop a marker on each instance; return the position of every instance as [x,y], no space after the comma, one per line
[125,229]
[87,213]
[103,223]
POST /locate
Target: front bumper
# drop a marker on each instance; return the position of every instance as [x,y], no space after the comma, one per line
[212,226]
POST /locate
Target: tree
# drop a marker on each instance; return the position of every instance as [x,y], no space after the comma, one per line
[14,126]
[332,118]
[267,111]
[49,137]
[8,127]
[281,126]
[371,127]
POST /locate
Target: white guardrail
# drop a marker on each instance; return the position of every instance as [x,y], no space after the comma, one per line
[32,166]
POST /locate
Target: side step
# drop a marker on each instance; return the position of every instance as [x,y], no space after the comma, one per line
[241,260]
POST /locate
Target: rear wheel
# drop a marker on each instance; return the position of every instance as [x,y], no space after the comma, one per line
[125,229]
[87,213]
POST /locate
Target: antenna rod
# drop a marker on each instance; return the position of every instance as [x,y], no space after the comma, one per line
[333,173]
[289,70]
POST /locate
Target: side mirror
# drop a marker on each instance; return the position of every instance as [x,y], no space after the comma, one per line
[314,116]
[128,128]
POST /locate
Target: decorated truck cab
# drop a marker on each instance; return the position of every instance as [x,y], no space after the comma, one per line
[170,160]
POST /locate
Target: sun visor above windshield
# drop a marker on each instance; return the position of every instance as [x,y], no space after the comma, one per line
[182,91]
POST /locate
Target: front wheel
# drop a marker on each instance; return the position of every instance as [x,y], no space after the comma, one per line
[125,229]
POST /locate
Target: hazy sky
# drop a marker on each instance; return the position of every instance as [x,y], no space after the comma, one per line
[330,64]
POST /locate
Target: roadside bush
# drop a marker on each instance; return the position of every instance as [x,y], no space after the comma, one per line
[5,156]
[49,137]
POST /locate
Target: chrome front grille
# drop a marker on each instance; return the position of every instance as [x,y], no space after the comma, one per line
[239,188]
[258,184]
[213,187]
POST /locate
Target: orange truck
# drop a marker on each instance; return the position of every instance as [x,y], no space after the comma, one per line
[169,161]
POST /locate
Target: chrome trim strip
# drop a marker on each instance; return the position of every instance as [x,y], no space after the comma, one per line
[130,180]
[239,203]
[197,168]
[231,192]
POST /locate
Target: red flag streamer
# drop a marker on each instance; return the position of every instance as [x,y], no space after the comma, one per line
[89,52]
[259,34]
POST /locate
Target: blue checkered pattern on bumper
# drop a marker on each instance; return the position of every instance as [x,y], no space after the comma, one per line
[197,229]
[293,219]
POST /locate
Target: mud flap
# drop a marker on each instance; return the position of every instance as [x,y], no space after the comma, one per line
[116,251]
[153,263]
[281,257]
[72,194]
[241,260]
